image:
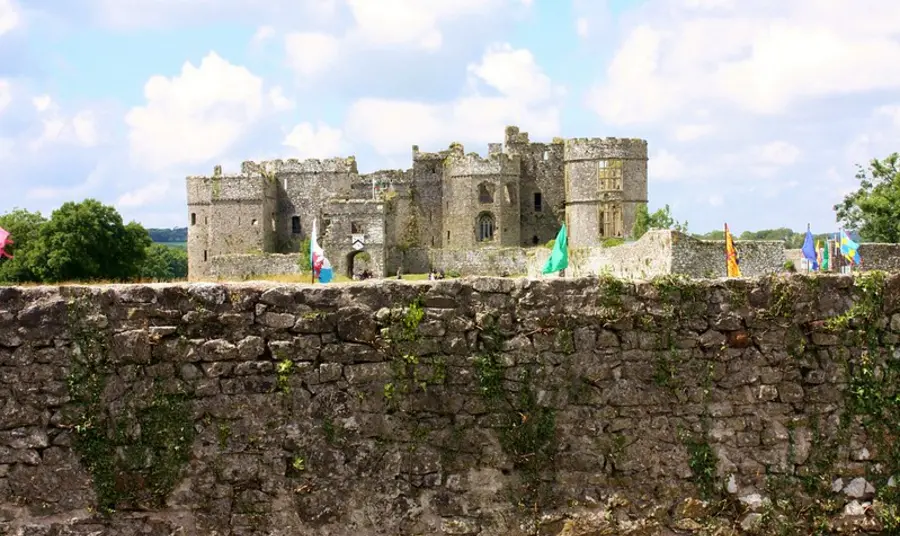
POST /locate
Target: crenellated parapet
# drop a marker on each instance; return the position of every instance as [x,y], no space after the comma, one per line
[292,165]
[605,148]
[461,164]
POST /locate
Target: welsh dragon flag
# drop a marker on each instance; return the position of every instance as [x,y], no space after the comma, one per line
[5,240]
[321,267]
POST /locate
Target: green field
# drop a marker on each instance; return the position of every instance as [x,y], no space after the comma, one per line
[179,245]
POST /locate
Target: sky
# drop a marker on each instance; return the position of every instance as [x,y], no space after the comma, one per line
[756,113]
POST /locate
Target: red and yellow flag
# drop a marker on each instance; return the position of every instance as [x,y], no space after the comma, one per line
[732,262]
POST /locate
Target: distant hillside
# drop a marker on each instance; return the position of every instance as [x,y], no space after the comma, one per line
[176,234]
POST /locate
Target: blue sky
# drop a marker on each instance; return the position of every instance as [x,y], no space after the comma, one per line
[756,112]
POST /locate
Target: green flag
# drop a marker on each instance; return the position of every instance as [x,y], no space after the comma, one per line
[559,257]
[826,257]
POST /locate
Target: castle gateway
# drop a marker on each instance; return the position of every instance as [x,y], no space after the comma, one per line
[450,208]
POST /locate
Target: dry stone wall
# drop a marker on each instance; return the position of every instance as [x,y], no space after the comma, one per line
[480,406]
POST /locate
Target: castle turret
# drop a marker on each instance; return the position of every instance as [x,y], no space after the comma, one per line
[228,214]
[605,181]
[481,200]
[304,187]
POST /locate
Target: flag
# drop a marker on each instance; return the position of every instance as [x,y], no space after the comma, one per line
[826,256]
[321,267]
[5,240]
[819,253]
[559,257]
[849,248]
[732,261]
[809,249]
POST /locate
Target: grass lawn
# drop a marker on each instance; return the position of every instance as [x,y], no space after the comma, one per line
[339,278]
[179,245]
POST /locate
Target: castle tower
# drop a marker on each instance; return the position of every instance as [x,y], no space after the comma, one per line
[481,200]
[304,188]
[605,181]
[228,214]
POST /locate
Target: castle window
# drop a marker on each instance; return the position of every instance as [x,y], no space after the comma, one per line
[534,240]
[193,218]
[510,193]
[356,227]
[546,155]
[295,225]
[609,173]
[206,219]
[485,227]
[538,202]
[485,193]
[254,222]
[204,255]
[448,236]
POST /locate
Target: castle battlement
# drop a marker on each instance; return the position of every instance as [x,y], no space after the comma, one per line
[604,148]
[292,165]
[459,164]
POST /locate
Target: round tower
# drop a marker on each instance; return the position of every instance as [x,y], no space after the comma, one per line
[481,200]
[199,196]
[605,181]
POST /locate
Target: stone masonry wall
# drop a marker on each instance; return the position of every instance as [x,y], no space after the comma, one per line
[248,266]
[481,406]
[648,257]
[706,258]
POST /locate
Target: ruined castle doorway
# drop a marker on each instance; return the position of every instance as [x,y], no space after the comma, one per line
[358,262]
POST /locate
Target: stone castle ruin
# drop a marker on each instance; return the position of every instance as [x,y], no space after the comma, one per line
[450,208]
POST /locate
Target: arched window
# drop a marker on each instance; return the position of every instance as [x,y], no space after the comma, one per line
[485,193]
[485,227]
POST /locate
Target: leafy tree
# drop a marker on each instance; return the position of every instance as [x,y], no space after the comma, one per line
[661,219]
[874,209]
[24,227]
[164,263]
[88,241]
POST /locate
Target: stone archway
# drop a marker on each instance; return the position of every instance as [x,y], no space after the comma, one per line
[357,262]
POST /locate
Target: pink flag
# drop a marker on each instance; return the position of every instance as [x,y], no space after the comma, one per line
[5,240]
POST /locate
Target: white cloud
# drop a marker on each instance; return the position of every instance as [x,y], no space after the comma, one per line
[413,22]
[42,103]
[523,95]
[665,166]
[891,111]
[776,153]
[79,129]
[314,141]
[716,200]
[691,132]
[5,94]
[279,101]
[10,17]
[263,34]
[145,195]
[582,27]
[197,115]
[761,58]
[309,53]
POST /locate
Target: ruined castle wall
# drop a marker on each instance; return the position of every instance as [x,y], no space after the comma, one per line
[706,258]
[479,406]
[464,176]
[355,218]
[489,261]
[304,188]
[428,196]
[249,266]
[648,257]
[199,199]
[542,173]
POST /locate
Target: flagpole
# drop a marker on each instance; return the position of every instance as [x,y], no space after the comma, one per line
[726,250]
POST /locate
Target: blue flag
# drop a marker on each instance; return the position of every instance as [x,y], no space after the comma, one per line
[809,249]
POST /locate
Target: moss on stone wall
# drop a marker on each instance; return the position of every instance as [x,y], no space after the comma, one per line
[135,453]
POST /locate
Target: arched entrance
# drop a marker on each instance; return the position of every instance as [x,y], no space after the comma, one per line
[359,262]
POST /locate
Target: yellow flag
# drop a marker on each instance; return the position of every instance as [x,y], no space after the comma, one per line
[732,262]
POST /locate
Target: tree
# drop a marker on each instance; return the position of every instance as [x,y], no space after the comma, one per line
[661,219]
[874,209]
[164,263]
[24,227]
[88,241]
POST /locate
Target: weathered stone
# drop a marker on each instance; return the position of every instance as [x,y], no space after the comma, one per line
[312,423]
